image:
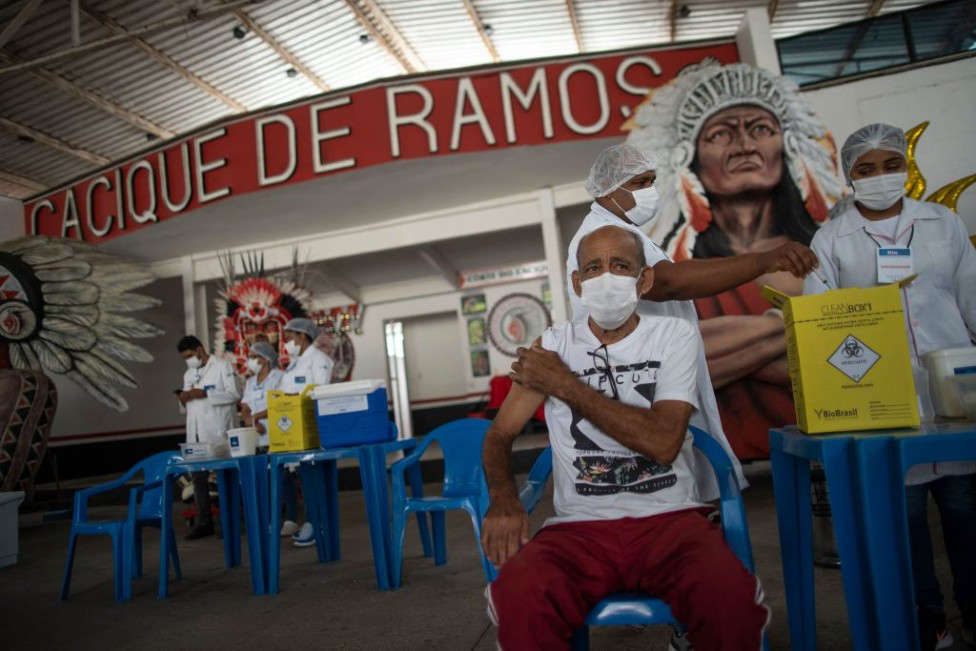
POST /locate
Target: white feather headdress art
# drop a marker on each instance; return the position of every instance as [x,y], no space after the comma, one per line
[668,125]
[63,310]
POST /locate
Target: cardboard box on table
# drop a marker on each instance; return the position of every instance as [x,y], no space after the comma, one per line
[291,421]
[847,351]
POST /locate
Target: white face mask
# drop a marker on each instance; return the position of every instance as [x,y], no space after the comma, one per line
[193,362]
[646,206]
[293,349]
[253,365]
[880,192]
[610,299]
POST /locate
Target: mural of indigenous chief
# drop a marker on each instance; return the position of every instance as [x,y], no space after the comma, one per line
[746,166]
[64,310]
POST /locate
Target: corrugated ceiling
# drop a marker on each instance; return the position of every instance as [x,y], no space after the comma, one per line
[110,101]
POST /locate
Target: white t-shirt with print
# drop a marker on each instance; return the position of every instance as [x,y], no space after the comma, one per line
[597,478]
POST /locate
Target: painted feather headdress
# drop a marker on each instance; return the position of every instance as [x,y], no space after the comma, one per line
[668,124]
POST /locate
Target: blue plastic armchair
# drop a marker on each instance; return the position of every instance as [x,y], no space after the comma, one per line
[464,488]
[145,509]
[639,609]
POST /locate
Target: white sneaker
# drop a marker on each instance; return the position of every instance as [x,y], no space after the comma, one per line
[305,536]
[289,528]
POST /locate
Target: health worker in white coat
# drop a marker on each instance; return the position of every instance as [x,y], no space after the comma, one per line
[881,237]
[210,394]
[262,362]
[621,182]
[309,366]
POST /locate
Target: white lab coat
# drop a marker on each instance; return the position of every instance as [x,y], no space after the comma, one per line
[208,419]
[312,367]
[707,416]
[940,310]
[256,398]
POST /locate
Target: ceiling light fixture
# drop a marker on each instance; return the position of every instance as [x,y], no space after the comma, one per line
[364,38]
[684,11]
[291,72]
[239,31]
[488,29]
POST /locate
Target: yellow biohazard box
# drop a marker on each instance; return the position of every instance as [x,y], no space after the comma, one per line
[291,421]
[847,352]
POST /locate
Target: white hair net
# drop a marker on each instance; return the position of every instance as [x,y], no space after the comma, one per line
[870,137]
[305,326]
[616,165]
[265,350]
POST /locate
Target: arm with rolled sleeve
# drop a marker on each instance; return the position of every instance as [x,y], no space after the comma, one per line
[965,277]
[227,390]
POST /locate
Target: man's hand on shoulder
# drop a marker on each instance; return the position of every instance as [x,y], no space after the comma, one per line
[541,370]
[791,257]
[504,530]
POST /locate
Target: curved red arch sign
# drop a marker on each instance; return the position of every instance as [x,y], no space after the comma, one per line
[402,118]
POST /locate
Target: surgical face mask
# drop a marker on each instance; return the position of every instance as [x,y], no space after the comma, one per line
[193,362]
[293,349]
[880,192]
[646,206]
[254,365]
[610,299]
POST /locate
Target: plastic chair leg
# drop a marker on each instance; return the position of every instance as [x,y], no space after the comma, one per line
[440,543]
[396,554]
[581,639]
[485,563]
[68,565]
[120,567]
[417,490]
[137,552]
[174,553]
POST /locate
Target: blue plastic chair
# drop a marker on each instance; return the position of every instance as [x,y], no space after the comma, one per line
[145,509]
[464,488]
[627,609]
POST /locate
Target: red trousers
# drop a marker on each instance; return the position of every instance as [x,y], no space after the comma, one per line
[543,593]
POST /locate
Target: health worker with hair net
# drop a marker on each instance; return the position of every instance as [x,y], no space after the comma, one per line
[262,363]
[621,182]
[881,237]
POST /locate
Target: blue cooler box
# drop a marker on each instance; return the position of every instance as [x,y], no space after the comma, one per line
[352,413]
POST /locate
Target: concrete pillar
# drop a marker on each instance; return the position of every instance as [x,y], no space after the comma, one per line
[553,246]
[755,41]
[11,219]
[189,297]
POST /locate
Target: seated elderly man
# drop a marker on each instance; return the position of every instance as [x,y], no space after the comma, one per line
[619,390]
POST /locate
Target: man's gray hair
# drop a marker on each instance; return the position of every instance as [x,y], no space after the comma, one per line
[638,242]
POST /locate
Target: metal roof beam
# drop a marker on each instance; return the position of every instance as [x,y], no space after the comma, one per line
[577,32]
[386,34]
[30,186]
[480,26]
[281,50]
[858,37]
[441,265]
[73,89]
[52,142]
[165,59]
[673,19]
[342,282]
[190,16]
[772,8]
[10,30]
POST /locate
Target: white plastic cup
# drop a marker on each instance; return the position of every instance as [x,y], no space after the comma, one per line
[243,441]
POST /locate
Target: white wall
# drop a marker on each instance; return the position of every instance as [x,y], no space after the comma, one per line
[11,219]
[943,94]
[434,358]
[371,346]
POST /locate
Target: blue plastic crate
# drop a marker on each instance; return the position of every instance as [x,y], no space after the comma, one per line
[352,413]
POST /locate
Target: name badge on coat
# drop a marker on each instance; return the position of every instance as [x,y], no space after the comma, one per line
[300,379]
[894,264]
